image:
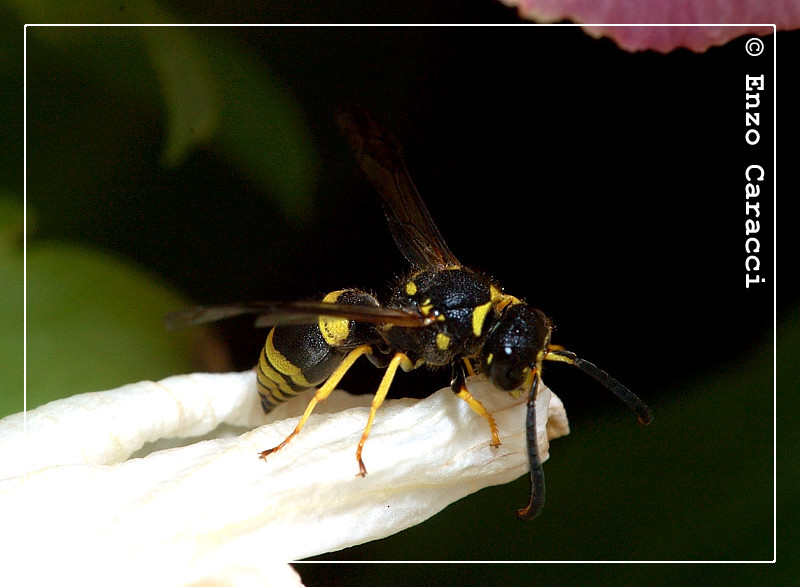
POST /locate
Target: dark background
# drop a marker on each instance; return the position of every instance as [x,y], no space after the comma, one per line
[604,187]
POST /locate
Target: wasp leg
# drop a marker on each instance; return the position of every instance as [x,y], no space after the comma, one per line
[536,502]
[468,366]
[459,387]
[322,393]
[399,360]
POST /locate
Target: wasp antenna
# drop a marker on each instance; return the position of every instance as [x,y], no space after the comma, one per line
[629,398]
[536,501]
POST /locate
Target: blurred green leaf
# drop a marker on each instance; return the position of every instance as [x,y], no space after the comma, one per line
[188,86]
[11,304]
[214,93]
[788,432]
[261,129]
[95,11]
[94,323]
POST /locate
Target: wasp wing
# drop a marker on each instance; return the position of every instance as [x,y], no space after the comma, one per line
[410,223]
[302,312]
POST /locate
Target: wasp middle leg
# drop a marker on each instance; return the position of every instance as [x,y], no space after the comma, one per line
[399,360]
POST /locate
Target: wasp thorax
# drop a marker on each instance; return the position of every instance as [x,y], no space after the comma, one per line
[457,302]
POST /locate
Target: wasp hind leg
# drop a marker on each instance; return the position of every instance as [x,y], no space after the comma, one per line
[459,387]
[322,393]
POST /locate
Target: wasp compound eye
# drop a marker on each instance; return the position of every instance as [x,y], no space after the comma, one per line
[514,345]
[506,370]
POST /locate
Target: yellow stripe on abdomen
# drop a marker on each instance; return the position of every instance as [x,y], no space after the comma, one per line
[274,382]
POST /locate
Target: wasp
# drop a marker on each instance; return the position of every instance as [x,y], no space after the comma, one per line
[440,314]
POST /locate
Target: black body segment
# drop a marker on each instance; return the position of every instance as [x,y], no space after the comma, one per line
[280,377]
[297,357]
[459,302]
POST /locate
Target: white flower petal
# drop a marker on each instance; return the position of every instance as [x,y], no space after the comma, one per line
[200,511]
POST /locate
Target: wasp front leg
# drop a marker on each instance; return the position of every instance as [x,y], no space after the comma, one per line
[459,386]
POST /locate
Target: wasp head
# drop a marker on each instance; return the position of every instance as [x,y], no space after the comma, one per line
[514,344]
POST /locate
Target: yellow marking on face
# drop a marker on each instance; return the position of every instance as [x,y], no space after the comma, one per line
[527,385]
[489,358]
[479,317]
[334,330]
[442,341]
[426,307]
[411,288]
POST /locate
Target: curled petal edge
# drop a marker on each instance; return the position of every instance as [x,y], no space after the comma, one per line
[200,510]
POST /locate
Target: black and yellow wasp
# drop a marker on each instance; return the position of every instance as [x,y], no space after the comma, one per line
[441,313]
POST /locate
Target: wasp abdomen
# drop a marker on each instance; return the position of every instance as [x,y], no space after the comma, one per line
[298,357]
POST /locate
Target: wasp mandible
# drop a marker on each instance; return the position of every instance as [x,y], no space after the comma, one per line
[440,314]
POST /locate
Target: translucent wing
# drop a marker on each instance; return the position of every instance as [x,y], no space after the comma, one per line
[381,158]
[275,313]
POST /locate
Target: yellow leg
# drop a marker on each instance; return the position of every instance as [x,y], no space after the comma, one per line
[468,366]
[478,408]
[322,393]
[398,360]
